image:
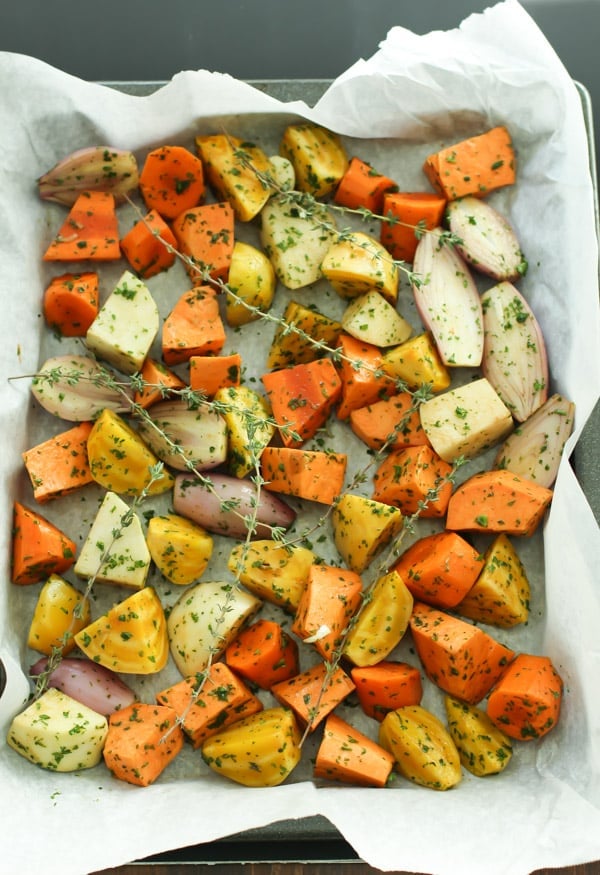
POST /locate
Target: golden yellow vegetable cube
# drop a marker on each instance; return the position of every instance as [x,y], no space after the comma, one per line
[317,155]
[61,611]
[180,548]
[361,527]
[237,170]
[120,460]
[249,426]
[417,362]
[131,638]
[500,595]
[357,263]
[259,751]
[381,623]
[295,347]
[483,748]
[251,278]
[272,571]
[422,747]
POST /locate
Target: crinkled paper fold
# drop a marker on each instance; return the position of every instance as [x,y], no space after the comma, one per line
[497,68]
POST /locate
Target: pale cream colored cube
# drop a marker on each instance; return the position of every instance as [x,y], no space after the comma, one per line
[465,421]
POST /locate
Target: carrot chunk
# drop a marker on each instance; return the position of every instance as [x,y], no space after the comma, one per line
[205,235]
[144,245]
[142,740]
[39,548]
[360,373]
[386,686]
[263,654]
[314,475]
[172,180]
[224,698]
[362,186]
[459,658]
[474,166]
[90,232]
[331,597]
[440,569]
[313,694]
[301,398]
[525,703]
[157,380]
[209,373]
[414,479]
[71,303]
[411,214]
[389,421]
[193,327]
[59,465]
[349,756]
[498,501]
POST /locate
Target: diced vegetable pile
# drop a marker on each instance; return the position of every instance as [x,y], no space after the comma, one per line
[154,408]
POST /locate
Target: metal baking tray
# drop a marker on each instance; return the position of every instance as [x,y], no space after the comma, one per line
[315,839]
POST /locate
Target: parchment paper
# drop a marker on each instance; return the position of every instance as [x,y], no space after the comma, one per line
[419,90]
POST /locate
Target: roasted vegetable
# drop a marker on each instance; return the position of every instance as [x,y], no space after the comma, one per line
[423,750]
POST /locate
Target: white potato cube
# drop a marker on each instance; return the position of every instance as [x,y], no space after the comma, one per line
[296,242]
[59,733]
[205,620]
[465,421]
[124,560]
[374,320]
[124,329]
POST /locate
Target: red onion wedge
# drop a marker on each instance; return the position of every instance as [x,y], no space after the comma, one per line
[514,358]
[76,388]
[534,449]
[200,435]
[95,168]
[93,685]
[223,508]
[489,243]
[448,301]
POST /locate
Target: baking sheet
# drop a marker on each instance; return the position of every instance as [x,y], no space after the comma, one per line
[416,91]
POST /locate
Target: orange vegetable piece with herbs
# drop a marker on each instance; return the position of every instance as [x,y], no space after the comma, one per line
[526,701]
[223,699]
[330,599]
[59,465]
[475,166]
[209,373]
[302,398]
[414,479]
[141,742]
[411,214]
[349,756]
[39,548]
[313,475]
[440,569]
[157,380]
[385,686]
[359,369]
[459,658]
[498,501]
[205,235]
[264,654]
[144,245]
[362,186]
[391,421]
[90,231]
[71,303]
[313,693]
[193,327]
[172,180]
